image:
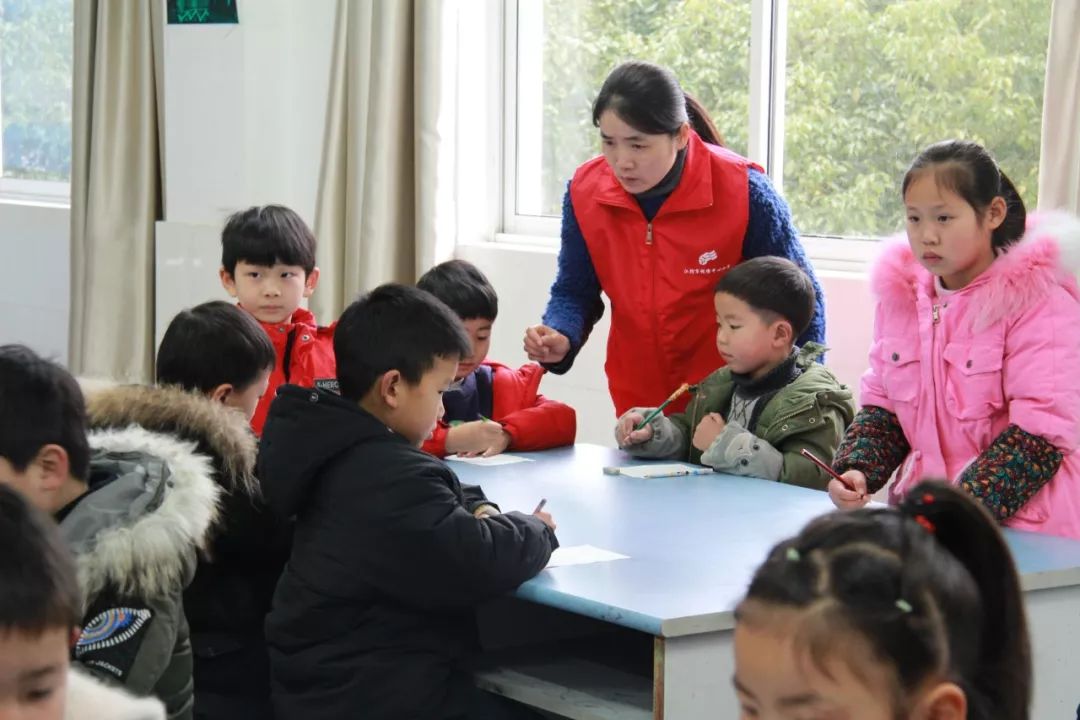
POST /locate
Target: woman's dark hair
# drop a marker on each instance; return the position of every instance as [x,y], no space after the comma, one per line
[967,169]
[930,588]
[648,98]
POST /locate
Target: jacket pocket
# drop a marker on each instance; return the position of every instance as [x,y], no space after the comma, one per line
[901,371]
[973,381]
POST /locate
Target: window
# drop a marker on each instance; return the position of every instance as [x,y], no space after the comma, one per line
[833,97]
[35,97]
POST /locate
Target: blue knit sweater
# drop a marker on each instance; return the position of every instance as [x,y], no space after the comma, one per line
[575,304]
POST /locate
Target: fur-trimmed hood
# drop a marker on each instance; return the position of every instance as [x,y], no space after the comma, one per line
[151,503]
[89,699]
[1047,256]
[218,430]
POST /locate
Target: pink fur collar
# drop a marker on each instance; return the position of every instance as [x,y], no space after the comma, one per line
[1047,256]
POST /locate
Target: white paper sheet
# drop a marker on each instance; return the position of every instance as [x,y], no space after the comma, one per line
[660,470]
[490,461]
[582,555]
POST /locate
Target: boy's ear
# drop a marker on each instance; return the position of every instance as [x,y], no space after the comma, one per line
[783,333]
[227,281]
[945,701]
[76,633]
[311,281]
[54,467]
[221,393]
[390,385]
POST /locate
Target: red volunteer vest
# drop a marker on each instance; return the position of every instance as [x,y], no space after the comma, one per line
[660,275]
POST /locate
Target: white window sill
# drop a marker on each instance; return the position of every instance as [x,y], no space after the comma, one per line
[827,254]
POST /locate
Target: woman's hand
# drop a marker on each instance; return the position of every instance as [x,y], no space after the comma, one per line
[545,345]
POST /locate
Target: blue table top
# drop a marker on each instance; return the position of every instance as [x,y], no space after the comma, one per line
[693,542]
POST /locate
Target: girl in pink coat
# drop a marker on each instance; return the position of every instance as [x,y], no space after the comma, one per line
[975,369]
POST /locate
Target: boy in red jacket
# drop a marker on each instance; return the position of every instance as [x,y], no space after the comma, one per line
[268,264]
[491,407]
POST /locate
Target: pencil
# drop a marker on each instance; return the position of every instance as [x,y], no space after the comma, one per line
[821,464]
[671,398]
[543,502]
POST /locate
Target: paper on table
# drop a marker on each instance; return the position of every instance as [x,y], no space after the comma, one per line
[490,461]
[582,555]
[664,470]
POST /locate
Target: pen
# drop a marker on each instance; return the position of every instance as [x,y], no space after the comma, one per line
[671,398]
[540,507]
[817,461]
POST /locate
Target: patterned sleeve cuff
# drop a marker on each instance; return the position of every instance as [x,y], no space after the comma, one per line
[874,444]
[1009,472]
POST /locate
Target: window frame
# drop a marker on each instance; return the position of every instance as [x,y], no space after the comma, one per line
[768,58]
[32,192]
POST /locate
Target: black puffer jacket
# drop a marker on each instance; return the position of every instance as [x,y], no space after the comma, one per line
[375,610]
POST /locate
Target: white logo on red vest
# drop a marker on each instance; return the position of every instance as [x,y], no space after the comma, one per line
[707,258]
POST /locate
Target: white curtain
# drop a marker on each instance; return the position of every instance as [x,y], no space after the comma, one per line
[384,209]
[1059,164]
[116,190]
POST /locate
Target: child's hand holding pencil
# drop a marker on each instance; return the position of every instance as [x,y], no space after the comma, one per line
[847,491]
[626,433]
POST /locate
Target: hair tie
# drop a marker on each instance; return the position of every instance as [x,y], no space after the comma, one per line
[792,554]
[913,509]
[904,606]
[926,523]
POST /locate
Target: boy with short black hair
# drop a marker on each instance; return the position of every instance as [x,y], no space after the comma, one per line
[771,401]
[133,506]
[209,399]
[268,264]
[40,617]
[491,407]
[375,611]
[237,374]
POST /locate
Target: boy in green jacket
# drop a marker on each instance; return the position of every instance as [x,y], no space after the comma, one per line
[771,401]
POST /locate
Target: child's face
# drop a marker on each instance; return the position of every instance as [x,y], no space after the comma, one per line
[946,235]
[775,680]
[479,331]
[639,160]
[33,674]
[419,407]
[247,399]
[748,344]
[270,293]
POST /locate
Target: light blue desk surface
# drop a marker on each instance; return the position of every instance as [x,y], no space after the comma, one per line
[693,542]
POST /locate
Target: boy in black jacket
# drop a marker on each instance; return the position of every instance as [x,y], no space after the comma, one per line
[375,610]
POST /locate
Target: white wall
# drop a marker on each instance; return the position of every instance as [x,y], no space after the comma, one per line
[35,257]
[245,109]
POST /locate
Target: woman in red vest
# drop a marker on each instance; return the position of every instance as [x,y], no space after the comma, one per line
[654,223]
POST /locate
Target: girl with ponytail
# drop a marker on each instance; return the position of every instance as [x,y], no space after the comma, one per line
[654,222]
[974,368]
[905,613]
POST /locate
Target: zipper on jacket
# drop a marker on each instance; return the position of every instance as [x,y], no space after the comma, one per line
[936,313]
[699,394]
[648,234]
